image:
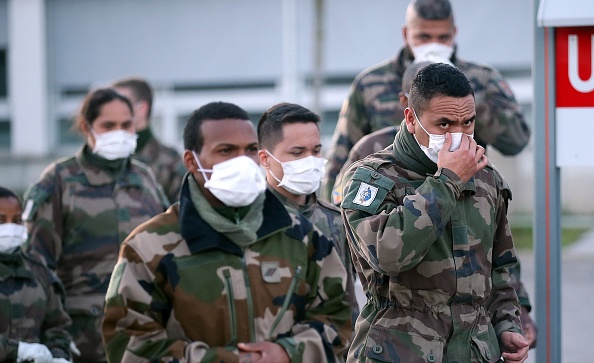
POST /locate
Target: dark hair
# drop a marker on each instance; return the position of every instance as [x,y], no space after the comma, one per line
[91,107]
[270,126]
[437,79]
[7,193]
[410,73]
[140,89]
[214,111]
[432,9]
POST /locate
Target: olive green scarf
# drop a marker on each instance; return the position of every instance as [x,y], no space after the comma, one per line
[241,232]
[408,152]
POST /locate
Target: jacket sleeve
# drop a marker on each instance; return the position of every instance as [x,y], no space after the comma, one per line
[43,216]
[352,125]
[392,236]
[503,304]
[500,122]
[136,308]
[326,329]
[55,326]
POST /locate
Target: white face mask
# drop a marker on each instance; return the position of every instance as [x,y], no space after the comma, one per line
[436,141]
[236,182]
[433,52]
[12,236]
[112,145]
[301,177]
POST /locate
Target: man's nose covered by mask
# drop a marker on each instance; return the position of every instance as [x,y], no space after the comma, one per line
[236,182]
[433,52]
[436,141]
[302,176]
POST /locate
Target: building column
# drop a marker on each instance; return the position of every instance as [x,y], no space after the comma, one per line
[27,78]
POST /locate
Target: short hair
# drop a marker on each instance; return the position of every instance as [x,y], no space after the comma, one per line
[432,9]
[270,126]
[410,73]
[214,111]
[140,88]
[95,99]
[437,79]
[7,193]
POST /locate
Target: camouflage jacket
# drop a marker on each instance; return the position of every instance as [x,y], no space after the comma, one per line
[183,292]
[433,255]
[326,217]
[381,139]
[77,216]
[166,163]
[373,104]
[31,307]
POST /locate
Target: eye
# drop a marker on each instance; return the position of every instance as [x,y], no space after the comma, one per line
[18,220]
[468,123]
[444,125]
[225,151]
[296,153]
[252,150]
[317,152]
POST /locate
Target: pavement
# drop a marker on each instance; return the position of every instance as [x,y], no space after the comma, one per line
[577,286]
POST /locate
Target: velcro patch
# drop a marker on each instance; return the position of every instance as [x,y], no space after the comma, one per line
[270,272]
[365,195]
[367,190]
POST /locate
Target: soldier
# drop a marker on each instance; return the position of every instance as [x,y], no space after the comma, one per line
[373,103]
[33,323]
[165,161]
[379,140]
[427,227]
[228,274]
[85,205]
[290,151]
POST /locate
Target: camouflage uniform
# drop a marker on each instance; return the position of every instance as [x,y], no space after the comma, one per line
[30,307]
[326,218]
[165,162]
[373,104]
[381,139]
[183,292]
[77,216]
[433,255]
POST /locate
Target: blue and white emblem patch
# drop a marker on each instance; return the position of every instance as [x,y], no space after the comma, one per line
[365,195]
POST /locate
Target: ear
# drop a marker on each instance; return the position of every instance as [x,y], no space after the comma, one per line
[142,107]
[403,100]
[263,155]
[190,162]
[404,32]
[409,117]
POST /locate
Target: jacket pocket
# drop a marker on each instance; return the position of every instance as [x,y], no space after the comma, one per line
[390,345]
[485,347]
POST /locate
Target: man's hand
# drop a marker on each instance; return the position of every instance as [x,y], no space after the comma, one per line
[514,347]
[528,328]
[465,161]
[268,352]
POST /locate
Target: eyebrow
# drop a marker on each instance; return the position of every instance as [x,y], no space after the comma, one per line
[445,119]
[303,147]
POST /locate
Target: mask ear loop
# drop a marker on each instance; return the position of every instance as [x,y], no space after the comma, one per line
[202,170]
[270,170]
[419,121]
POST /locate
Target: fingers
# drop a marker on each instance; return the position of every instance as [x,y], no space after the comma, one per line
[514,357]
[249,347]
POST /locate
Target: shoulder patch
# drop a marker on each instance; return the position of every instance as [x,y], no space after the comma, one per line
[34,197]
[367,190]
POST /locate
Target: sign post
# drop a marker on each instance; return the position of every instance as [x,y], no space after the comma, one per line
[563,77]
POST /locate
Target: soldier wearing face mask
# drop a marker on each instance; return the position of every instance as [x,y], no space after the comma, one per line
[228,274]
[85,205]
[430,237]
[291,153]
[373,103]
[33,323]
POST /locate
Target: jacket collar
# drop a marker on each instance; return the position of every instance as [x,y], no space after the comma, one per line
[200,236]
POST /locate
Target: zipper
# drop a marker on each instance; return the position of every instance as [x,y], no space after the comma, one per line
[231,303]
[287,301]
[250,303]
